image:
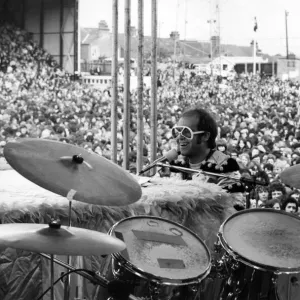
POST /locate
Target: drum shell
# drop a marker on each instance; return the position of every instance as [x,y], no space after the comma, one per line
[142,287]
[151,286]
[250,262]
[255,279]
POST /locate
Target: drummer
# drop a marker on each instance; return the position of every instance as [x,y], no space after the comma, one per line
[196,133]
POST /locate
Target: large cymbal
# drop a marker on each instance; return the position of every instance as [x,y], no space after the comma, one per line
[41,238]
[59,168]
[291,176]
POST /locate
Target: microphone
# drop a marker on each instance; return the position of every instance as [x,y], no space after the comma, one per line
[169,156]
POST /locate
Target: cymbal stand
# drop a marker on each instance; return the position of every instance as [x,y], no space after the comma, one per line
[53,225]
[67,280]
[52,275]
[93,277]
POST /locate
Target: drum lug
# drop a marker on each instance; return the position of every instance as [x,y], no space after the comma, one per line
[194,288]
[217,247]
[154,289]
[235,266]
[118,272]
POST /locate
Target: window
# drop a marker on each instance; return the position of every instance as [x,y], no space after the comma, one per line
[291,64]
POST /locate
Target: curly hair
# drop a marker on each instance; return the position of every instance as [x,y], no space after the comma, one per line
[276,186]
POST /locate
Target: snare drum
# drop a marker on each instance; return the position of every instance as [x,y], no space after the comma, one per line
[261,244]
[163,260]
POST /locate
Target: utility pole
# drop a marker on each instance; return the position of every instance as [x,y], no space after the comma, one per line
[219,32]
[185,22]
[286,34]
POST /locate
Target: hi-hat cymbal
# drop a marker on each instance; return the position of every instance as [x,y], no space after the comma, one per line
[291,176]
[41,238]
[61,168]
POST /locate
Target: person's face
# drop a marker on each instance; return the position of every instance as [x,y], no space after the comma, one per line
[23,130]
[253,203]
[263,196]
[244,160]
[257,159]
[277,170]
[234,142]
[270,161]
[221,148]
[276,206]
[291,208]
[295,196]
[236,135]
[276,194]
[255,152]
[190,147]
[244,135]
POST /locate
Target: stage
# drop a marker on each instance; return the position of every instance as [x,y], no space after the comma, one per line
[201,208]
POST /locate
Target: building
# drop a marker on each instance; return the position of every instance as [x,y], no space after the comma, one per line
[227,63]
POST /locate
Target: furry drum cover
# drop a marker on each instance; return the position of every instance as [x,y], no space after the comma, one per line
[201,207]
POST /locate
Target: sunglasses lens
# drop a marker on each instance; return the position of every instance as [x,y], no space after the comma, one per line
[187,133]
[175,133]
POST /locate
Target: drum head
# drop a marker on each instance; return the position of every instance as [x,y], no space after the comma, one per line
[162,248]
[265,238]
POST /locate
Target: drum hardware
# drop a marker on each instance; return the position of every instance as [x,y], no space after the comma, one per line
[165,261]
[85,177]
[154,290]
[218,247]
[295,281]
[265,258]
[56,239]
[93,277]
[118,271]
[187,170]
[61,168]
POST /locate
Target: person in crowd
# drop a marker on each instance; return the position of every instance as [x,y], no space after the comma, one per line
[274,204]
[256,127]
[290,205]
[277,191]
[262,196]
[294,194]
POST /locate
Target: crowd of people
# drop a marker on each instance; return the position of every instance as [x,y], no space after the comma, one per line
[258,116]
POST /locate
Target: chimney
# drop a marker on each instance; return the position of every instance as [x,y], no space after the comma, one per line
[133,31]
[102,28]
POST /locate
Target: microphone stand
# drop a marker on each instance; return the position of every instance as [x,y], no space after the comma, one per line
[249,182]
[251,186]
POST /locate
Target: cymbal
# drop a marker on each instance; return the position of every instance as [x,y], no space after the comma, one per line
[61,168]
[291,176]
[41,238]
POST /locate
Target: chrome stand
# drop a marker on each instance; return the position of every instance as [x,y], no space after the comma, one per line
[67,282]
[52,275]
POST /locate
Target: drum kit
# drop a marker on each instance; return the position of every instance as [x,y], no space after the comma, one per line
[145,257]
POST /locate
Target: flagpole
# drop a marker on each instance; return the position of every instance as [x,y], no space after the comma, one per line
[254,48]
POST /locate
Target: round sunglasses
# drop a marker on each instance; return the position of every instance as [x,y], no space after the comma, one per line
[185,132]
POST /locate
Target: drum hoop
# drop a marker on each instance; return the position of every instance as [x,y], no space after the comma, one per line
[157,279]
[237,256]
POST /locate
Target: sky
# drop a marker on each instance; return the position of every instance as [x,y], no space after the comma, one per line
[236,20]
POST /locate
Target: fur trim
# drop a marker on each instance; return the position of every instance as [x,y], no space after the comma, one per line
[201,207]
